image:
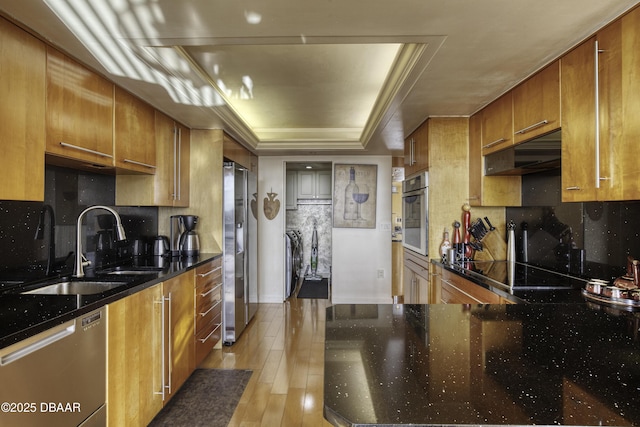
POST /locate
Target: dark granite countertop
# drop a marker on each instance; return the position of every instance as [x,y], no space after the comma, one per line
[24,315]
[518,364]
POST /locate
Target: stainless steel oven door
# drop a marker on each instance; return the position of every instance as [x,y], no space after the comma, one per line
[415,219]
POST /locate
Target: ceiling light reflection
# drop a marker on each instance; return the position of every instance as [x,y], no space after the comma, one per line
[104,28]
[252,18]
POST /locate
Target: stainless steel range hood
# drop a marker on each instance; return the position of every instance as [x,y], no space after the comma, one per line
[537,155]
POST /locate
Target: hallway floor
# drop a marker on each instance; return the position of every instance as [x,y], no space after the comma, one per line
[284,346]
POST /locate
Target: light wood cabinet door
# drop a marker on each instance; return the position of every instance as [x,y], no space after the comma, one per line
[497,124]
[134,135]
[416,150]
[79,112]
[488,190]
[601,166]
[134,358]
[22,63]
[536,104]
[578,123]
[169,186]
[180,331]
[173,152]
[619,106]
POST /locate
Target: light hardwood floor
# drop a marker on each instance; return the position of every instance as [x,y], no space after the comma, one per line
[284,347]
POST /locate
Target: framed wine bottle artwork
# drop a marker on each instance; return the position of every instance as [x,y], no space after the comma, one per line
[354,195]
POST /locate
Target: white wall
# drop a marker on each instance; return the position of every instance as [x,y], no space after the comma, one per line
[357,255]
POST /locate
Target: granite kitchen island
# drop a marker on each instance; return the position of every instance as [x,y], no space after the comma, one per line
[523,364]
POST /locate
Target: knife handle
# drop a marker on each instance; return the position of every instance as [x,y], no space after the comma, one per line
[491,227]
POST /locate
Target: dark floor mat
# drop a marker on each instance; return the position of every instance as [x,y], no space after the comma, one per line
[208,398]
[317,289]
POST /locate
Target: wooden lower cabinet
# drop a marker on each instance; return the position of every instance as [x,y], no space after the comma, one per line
[134,358]
[415,279]
[179,359]
[457,290]
[208,308]
[137,387]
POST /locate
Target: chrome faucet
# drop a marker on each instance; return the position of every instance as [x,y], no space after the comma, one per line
[81,261]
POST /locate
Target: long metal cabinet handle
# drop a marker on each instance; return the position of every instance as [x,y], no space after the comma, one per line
[86,150]
[209,311]
[162,358]
[179,164]
[170,346]
[175,167]
[413,151]
[491,144]
[211,290]
[46,340]
[209,272]
[135,162]
[533,126]
[573,188]
[203,340]
[597,111]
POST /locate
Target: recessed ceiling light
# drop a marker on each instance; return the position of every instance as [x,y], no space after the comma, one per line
[308,167]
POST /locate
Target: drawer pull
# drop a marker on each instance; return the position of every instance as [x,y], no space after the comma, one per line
[533,126]
[134,162]
[574,188]
[212,307]
[86,150]
[210,272]
[211,290]
[496,142]
[203,340]
[208,311]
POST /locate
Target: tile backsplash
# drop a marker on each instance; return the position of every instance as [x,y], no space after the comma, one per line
[68,192]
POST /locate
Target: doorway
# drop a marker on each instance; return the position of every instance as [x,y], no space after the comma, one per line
[309,206]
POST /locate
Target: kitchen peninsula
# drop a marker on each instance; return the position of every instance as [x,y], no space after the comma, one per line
[509,364]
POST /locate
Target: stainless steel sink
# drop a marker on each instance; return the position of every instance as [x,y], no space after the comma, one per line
[72,287]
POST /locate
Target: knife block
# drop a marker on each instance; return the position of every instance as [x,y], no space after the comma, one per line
[494,248]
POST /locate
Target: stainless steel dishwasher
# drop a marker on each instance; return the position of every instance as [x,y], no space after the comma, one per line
[56,378]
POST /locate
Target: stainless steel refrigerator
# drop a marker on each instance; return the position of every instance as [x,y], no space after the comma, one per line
[240,251]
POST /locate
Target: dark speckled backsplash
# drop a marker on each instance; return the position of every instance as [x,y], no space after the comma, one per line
[68,192]
[606,231]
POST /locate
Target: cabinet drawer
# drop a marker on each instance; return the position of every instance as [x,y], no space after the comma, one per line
[205,313]
[207,339]
[209,275]
[207,298]
[452,295]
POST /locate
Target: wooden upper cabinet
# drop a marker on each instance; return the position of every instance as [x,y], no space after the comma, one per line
[416,150]
[602,167]
[536,104]
[169,186]
[134,133]
[22,100]
[497,124]
[488,190]
[235,152]
[173,153]
[578,123]
[79,112]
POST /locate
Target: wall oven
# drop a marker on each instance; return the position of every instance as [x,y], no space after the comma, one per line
[415,213]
